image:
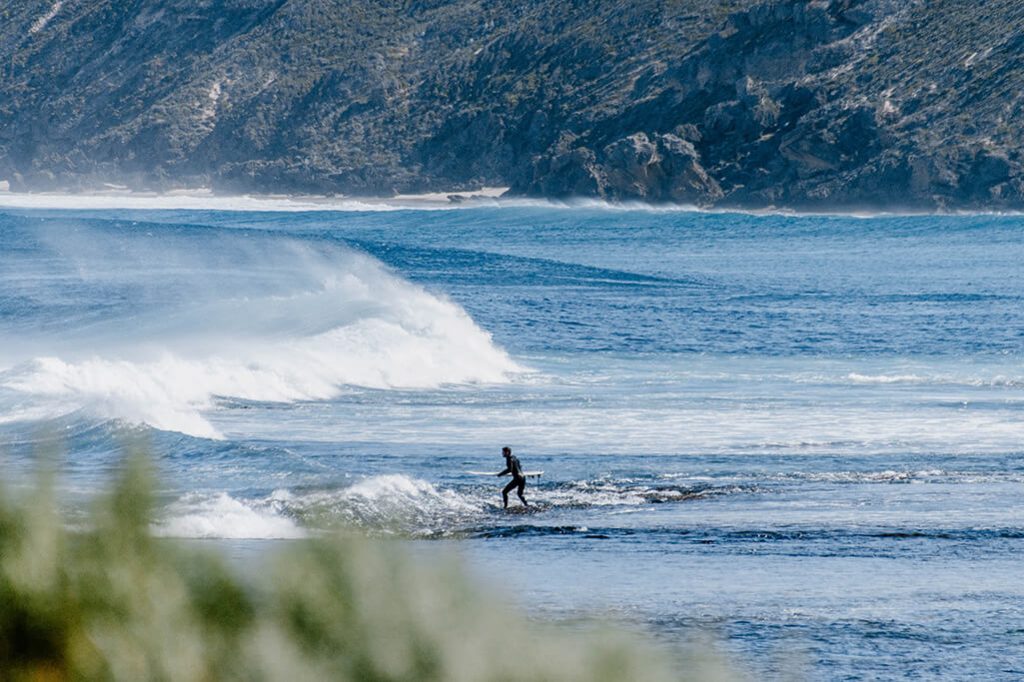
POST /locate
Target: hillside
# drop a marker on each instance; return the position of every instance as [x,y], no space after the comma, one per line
[841,103]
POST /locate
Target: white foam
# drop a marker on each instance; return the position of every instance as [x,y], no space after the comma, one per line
[396,502]
[199,201]
[335,318]
[389,503]
[943,379]
[886,378]
[390,486]
[204,200]
[395,492]
[885,476]
[222,516]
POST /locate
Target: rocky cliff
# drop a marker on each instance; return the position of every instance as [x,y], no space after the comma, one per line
[902,104]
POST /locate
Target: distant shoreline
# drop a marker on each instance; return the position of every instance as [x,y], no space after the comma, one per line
[206,199]
[200,199]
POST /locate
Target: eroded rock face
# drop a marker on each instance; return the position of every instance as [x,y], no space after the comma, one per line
[685,180]
[828,104]
[632,167]
[572,173]
[665,169]
[807,104]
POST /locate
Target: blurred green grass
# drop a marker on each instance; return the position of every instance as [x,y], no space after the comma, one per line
[113,602]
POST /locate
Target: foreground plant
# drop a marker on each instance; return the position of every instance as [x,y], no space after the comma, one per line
[116,603]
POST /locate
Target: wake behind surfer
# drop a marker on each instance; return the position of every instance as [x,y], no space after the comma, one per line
[513,467]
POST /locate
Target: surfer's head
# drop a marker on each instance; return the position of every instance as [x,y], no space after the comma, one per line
[506,451]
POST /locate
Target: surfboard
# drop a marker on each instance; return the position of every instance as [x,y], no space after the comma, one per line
[528,474]
[520,509]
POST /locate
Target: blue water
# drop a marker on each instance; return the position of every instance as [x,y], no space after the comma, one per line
[800,434]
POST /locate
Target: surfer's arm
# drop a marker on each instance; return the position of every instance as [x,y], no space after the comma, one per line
[506,472]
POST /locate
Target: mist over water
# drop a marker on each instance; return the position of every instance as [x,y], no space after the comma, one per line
[800,432]
[174,320]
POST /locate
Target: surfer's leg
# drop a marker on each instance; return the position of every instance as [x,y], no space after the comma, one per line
[520,487]
[504,493]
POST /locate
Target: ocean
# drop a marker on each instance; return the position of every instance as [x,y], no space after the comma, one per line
[799,436]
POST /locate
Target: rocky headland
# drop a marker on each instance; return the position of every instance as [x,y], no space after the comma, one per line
[821,104]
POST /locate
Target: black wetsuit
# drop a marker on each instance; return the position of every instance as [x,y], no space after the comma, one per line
[518,480]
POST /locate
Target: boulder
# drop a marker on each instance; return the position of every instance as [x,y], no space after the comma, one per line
[686,181]
[632,168]
[666,168]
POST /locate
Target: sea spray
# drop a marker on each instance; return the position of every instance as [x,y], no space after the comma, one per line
[218,316]
[404,506]
[222,516]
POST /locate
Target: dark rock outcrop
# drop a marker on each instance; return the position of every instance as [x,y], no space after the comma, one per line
[801,103]
[665,169]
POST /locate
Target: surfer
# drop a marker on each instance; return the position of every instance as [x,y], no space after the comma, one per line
[518,479]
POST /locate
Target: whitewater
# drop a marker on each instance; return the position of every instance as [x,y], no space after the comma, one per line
[801,434]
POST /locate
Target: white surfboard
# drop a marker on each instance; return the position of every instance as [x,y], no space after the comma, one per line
[528,474]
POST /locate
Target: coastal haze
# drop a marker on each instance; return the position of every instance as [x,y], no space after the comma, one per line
[826,104]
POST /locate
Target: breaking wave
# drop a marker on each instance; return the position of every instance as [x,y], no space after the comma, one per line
[184,322]
[397,504]
[222,516]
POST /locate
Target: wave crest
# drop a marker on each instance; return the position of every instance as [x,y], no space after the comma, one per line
[222,516]
[275,321]
[397,504]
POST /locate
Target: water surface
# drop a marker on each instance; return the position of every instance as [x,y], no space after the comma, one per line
[801,433]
